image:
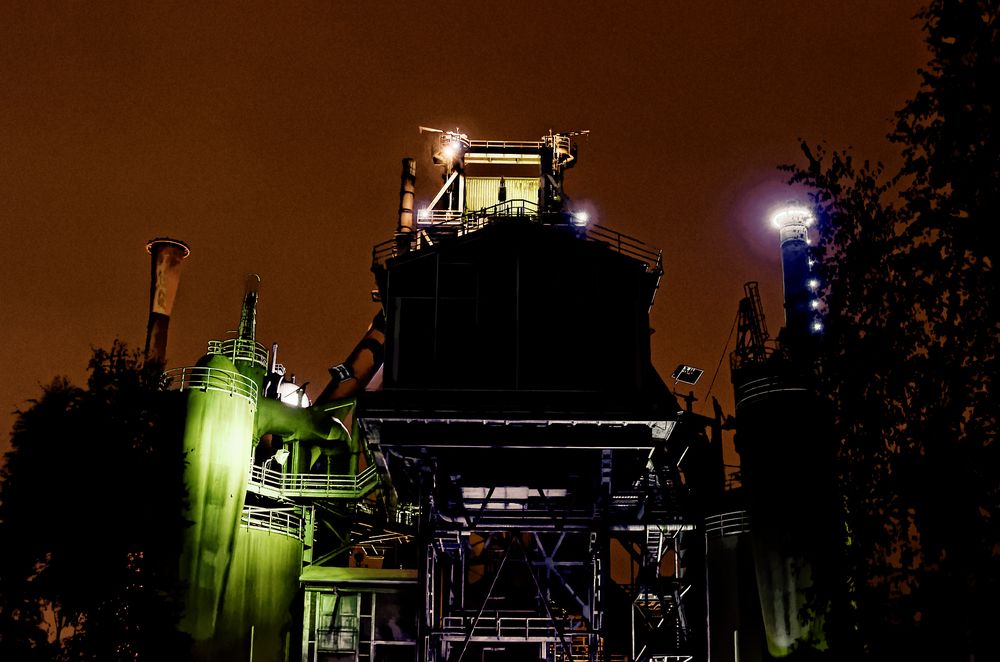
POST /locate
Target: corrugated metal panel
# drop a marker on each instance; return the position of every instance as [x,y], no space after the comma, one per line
[483,192]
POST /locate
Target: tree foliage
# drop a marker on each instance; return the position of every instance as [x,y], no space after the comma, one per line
[909,358]
[91,518]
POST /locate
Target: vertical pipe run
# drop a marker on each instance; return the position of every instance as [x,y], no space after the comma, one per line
[166,256]
[407,186]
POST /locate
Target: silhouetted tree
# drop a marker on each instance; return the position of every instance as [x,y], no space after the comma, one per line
[909,358]
[91,520]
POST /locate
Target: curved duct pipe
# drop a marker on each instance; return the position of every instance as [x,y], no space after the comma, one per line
[314,425]
[165,273]
[350,377]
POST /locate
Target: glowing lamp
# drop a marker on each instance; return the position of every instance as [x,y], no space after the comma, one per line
[687,374]
[792,222]
[814,304]
[817,326]
[580,218]
[293,395]
[281,456]
[812,284]
[792,214]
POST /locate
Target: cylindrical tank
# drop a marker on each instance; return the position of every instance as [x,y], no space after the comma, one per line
[221,404]
[260,599]
[166,257]
[733,608]
[785,467]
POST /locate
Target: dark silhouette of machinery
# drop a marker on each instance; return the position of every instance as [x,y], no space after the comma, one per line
[511,490]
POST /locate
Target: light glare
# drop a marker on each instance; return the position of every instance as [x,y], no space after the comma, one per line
[812,284]
[793,214]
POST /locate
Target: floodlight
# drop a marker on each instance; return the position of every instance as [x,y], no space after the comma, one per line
[792,214]
[687,374]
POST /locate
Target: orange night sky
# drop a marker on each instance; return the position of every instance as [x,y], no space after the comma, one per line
[269,137]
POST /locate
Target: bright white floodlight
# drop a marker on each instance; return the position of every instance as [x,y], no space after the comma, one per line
[792,214]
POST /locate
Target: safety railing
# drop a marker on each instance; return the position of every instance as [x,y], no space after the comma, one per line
[203,378]
[768,385]
[406,514]
[506,145]
[472,221]
[628,246]
[504,627]
[269,482]
[283,521]
[727,524]
[240,349]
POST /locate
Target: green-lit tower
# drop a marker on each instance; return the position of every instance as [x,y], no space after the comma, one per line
[243,553]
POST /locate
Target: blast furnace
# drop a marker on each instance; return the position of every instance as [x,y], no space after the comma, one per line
[511,490]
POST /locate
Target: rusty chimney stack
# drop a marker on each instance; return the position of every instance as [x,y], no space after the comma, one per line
[166,257]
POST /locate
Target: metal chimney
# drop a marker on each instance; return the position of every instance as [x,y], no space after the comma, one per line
[793,222]
[165,273]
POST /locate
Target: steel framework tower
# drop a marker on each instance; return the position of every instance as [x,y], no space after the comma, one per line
[513,488]
[520,416]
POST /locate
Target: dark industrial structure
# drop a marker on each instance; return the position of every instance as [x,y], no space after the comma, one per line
[497,471]
[769,547]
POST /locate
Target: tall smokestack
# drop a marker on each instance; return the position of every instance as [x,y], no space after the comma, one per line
[407,185]
[166,257]
[793,222]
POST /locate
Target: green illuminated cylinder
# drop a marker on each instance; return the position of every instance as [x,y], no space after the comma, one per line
[217,442]
[260,597]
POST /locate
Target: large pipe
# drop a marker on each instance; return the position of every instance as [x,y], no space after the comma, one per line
[350,377]
[166,256]
[407,185]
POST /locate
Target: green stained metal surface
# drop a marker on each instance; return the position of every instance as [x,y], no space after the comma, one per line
[785,584]
[262,593]
[314,425]
[217,440]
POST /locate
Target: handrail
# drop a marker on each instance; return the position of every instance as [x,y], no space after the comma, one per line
[768,385]
[627,245]
[471,221]
[239,349]
[727,524]
[280,484]
[507,627]
[204,378]
[505,144]
[283,521]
